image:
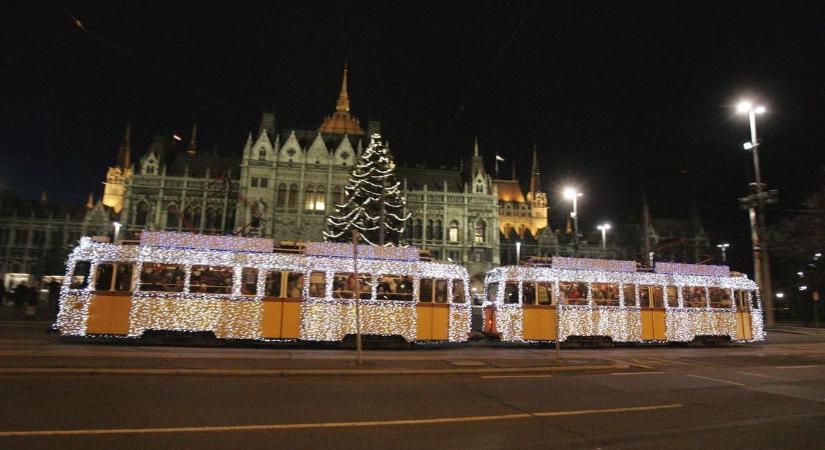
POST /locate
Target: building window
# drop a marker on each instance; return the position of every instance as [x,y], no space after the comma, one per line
[480,232]
[254,182]
[315,198]
[337,195]
[172,217]
[264,182]
[262,154]
[21,236]
[453,231]
[417,229]
[142,214]
[293,196]
[439,231]
[430,229]
[281,195]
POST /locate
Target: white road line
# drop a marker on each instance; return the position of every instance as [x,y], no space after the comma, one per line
[718,380]
[797,367]
[516,376]
[634,373]
[765,376]
[300,426]
[668,361]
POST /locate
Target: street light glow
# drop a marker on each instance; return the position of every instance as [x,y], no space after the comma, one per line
[744,106]
[604,226]
[759,109]
[571,193]
[780,295]
[723,245]
[803,288]
[747,145]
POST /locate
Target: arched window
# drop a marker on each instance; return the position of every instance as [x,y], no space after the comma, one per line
[172,217]
[453,231]
[262,154]
[320,199]
[430,229]
[282,195]
[480,235]
[309,198]
[408,230]
[229,224]
[196,217]
[439,231]
[338,195]
[417,229]
[142,214]
[212,220]
[293,196]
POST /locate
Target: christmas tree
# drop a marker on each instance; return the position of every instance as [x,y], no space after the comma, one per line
[374,206]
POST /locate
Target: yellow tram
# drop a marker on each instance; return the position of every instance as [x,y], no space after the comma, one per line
[577,297]
[239,288]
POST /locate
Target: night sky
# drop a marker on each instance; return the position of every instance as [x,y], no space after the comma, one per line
[619,97]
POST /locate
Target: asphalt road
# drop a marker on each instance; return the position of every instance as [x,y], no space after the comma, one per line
[760,396]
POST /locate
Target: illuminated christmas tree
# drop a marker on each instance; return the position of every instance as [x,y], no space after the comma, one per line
[373,202]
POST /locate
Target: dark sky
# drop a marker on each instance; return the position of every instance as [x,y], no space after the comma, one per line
[619,97]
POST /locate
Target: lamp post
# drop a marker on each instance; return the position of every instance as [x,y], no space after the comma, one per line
[756,213]
[724,248]
[518,252]
[573,194]
[117,226]
[604,227]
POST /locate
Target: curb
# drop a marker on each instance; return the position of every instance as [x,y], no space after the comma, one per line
[294,372]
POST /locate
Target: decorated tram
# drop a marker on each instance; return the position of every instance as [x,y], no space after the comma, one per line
[244,288]
[576,298]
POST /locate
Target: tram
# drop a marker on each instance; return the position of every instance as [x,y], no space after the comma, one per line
[565,298]
[240,288]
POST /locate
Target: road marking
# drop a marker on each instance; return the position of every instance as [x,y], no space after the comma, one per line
[516,376]
[301,426]
[634,373]
[718,380]
[668,361]
[797,367]
[765,376]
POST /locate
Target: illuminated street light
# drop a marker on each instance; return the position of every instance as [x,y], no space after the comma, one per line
[573,194]
[780,295]
[803,288]
[801,274]
[518,252]
[724,248]
[756,212]
[603,228]
[117,226]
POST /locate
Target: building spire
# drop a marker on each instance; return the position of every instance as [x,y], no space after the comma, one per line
[645,226]
[475,147]
[514,170]
[192,149]
[535,183]
[90,202]
[343,96]
[124,153]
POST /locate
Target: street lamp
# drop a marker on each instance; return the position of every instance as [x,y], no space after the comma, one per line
[573,194]
[518,252]
[604,227]
[117,230]
[724,247]
[756,213]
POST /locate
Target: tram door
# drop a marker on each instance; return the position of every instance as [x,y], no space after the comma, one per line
[651,301]
[743,315]
[111,300]
[539,308]
[282,305]
[432,310]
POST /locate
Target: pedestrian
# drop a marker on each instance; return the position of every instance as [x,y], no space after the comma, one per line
[21,293]
[53,295]
[31,301]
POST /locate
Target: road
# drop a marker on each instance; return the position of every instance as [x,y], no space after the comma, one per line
[758,396]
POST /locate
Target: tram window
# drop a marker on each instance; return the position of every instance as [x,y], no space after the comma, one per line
[754,300]
[123,277]
[344,285]
[211,279]
[528,293]
[458,291]
[273,284]
[672,297]
[719,298]
[161,277]
[394,287]
[294,284]
[644,296]
[80,275]
[658,296]
[492,292]
[441,294]
[103,277]
[317,284]
[606,294]
[249,281]
[629,294]
[545,294]
[573,293]
[425,290]
[511,292]
[740,300]
[694,297]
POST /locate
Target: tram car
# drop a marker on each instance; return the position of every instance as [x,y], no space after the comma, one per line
[243,288]
[589,299]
